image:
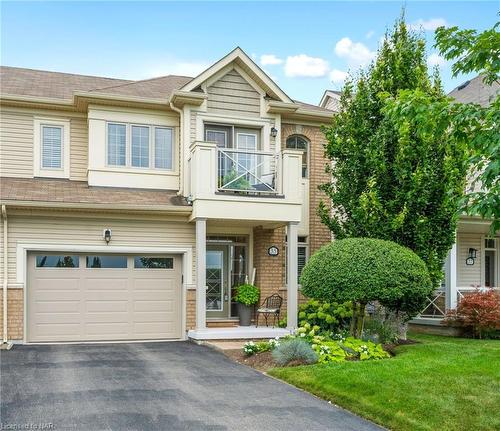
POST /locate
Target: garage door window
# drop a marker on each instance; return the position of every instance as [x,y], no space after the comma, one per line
[104,261]
[48,261]
[153,262]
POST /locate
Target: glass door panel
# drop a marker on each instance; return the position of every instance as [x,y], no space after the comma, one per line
[216,271]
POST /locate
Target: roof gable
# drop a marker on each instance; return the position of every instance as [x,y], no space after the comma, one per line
[248,66]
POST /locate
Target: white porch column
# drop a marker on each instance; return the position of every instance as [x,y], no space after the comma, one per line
[451,291]
[292,289]
[201,274]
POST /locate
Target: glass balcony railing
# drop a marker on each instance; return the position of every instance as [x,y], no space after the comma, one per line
[249,171]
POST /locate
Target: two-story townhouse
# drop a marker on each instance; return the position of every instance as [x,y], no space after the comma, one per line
[131,209]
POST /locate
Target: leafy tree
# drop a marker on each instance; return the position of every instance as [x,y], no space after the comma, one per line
[480,53]
[362,270]
[391,180]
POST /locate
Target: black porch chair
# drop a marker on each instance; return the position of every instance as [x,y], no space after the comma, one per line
[271,306]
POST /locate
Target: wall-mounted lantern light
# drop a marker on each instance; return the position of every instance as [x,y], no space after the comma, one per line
[106,234]
[471,256]
[274,132]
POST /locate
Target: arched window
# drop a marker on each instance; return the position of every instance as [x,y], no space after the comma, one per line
[296,142]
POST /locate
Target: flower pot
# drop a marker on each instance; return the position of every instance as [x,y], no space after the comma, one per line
[245,314]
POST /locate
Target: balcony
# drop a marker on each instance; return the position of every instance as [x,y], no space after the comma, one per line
[246,172]
[227,183]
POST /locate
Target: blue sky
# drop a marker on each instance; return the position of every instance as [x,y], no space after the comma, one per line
[305,46]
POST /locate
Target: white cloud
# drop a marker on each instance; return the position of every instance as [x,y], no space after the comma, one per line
[370,34]
[429,24]
[355,53]
[270,60]
[436,60]
[337,76]
[303,66]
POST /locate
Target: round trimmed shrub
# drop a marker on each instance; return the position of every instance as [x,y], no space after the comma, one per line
[363,270]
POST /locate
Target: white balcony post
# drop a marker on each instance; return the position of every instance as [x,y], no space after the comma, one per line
[451,290]
[292,288]
[201,275]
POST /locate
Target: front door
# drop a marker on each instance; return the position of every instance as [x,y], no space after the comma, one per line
[217,282]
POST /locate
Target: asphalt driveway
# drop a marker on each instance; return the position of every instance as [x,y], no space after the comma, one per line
[152,386]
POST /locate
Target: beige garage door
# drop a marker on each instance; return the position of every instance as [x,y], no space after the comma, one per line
[90,297]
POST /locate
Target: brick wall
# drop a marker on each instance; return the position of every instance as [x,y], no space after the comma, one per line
[15,311]
[319,234]
[191,309]
[269,270]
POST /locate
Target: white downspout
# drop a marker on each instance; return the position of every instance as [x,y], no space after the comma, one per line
[181,155]
[5,274]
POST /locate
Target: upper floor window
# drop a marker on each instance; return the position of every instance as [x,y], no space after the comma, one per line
[297,142]
[164,149]
[52,141]
[117,144]
[140,146]
[51,147]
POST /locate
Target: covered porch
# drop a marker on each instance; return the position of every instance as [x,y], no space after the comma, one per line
[473,263]
[231,253]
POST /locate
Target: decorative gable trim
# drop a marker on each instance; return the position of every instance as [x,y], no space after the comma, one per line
[248,67]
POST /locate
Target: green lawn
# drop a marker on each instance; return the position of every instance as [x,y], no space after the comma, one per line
[442,383]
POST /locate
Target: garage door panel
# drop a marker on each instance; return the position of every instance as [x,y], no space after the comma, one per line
[90,304]
[109,283]
[141,329]
[152,306]
[60,306]
[57,332]
[53,284]
[106,306]
[118,329]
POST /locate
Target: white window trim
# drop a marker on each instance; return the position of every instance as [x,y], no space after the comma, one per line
[152,148]
[38,170]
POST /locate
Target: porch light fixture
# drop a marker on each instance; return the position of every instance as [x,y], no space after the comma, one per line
[106,234]
[471,256]
[274,132]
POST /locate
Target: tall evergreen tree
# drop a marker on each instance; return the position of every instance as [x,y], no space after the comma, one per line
[391,180]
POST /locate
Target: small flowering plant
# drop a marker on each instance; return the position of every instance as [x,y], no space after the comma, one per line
[274,342]
[250,348]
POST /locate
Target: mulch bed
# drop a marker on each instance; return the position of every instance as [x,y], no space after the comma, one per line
[264,361]
[260,361]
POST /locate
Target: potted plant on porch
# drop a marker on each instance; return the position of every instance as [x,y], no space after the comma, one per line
[247,295]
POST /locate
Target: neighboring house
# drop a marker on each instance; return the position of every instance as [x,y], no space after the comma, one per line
[330,100]
[474,260]
[131,209]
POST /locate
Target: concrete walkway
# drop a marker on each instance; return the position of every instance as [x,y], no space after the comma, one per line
[153,386]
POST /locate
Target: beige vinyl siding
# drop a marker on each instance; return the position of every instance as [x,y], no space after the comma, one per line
[233,95]
[192,126]
[79,149]
[468,275]
[16,141]
[51,227]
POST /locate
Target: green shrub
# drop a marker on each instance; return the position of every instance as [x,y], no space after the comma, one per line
[294,349]
[247,294]
[329,317]
[282,323]
[363,270]
[250,348]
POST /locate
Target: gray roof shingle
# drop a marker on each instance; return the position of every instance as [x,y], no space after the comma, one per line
[476,91]
[42,190]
